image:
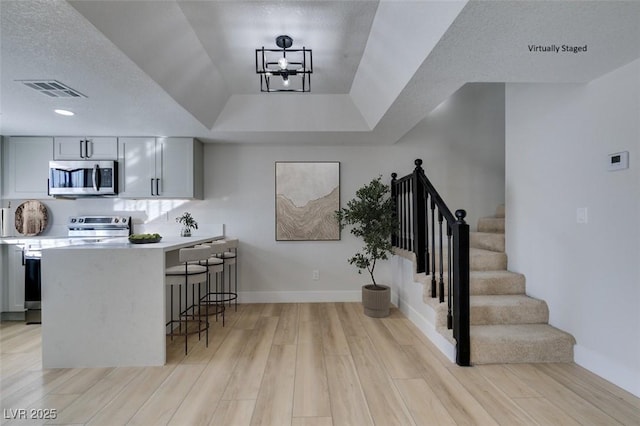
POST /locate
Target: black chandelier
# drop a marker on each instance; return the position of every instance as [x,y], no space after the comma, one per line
[293,67]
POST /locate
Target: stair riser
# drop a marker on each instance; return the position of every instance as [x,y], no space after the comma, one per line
[487,241]
[513,284]
[528,314]
[483,316]
[488,262]
[485,261]
[521,352]
[491,224]
[500,211]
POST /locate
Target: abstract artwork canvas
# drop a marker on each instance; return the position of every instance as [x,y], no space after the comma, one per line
[307,195]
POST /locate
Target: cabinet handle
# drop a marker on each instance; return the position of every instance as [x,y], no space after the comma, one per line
[87,144]
[157,186]
[81,154]
[152,187]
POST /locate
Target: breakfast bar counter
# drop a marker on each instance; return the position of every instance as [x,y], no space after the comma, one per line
[104,304]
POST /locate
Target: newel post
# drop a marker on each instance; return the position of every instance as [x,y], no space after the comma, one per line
[419,218]
[461,312]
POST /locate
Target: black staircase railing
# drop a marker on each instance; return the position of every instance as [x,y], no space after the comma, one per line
[419,207]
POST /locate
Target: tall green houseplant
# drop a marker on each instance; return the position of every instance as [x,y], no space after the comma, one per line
[371,215]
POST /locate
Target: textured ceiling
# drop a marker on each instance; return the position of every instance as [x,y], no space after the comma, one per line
[188,67]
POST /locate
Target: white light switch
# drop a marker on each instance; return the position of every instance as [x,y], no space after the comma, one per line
[581,215]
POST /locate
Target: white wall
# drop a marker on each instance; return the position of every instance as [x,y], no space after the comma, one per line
[462,145]
[557,141]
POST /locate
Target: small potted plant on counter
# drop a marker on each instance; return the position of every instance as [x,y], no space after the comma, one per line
[372,215]
[188,223]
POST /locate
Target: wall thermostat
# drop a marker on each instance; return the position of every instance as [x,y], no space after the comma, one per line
[618,161]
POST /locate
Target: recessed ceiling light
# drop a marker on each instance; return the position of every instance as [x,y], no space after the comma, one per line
[63,112]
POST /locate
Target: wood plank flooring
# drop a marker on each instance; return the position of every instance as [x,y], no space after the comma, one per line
[303,365]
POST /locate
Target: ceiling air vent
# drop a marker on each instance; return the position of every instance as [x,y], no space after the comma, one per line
[52,88]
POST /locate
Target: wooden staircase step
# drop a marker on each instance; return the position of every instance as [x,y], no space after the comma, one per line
[491,224]
[520,343]
[487,241]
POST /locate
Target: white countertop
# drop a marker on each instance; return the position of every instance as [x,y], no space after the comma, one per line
[166,244]
[44,243]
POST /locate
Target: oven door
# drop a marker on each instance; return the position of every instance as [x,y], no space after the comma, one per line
[82,177]
[32,288]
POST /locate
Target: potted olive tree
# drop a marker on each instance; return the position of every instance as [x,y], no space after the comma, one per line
[372,218]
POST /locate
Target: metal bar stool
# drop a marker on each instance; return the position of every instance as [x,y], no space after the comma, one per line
[227,251]
[211,298]
[181,278]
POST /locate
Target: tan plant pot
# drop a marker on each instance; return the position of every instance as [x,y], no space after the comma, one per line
[376,301]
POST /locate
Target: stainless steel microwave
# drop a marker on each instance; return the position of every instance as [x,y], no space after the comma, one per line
[77,178]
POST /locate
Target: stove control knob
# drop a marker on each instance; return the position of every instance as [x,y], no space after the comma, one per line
[116,220]
[124,220]
[81,220]
[73,220]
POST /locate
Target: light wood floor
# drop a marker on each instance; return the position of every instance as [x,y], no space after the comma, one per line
[306,364]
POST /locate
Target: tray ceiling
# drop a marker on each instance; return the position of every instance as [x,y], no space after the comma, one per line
[188,67]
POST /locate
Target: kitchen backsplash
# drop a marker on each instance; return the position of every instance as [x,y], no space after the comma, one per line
[146,215]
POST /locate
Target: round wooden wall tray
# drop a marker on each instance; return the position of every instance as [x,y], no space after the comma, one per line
[31,218]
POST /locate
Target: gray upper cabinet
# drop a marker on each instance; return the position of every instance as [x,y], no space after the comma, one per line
[85,148]
[26,167]
[160,168]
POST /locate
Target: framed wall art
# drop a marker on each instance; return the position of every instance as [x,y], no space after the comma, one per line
[307,195]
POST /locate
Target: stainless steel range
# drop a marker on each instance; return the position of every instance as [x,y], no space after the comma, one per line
[99,226]
[81,230]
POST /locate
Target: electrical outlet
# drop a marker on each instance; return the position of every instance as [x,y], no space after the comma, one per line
[315,275]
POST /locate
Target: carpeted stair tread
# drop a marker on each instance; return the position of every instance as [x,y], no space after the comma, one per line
[483,283]
[487,241]
[491,224]
[508,309]
[507,326]
[479,260]
[495,310]
[520,343]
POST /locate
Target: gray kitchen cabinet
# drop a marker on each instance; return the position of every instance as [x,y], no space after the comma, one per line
[160,168]
[25,167]
[85,148]
[15,279]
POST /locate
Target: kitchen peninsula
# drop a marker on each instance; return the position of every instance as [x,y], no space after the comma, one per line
[104,303]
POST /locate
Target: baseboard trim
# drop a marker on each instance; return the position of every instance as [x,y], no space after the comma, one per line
[298,296]
[12,316]
[428,329]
